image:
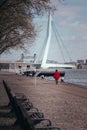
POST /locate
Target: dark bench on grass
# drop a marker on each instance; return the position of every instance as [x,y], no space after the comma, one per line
[28,117]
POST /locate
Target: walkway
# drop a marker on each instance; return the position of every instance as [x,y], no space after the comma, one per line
[64,104]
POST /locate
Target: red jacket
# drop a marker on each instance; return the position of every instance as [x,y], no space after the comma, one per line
[56,75]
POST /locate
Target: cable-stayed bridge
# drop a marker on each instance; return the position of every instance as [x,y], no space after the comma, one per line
[45,50]
[44,63]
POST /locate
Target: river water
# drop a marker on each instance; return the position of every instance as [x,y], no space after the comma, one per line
[76,76]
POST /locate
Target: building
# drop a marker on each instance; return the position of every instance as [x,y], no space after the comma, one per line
[16,66]
[81,64]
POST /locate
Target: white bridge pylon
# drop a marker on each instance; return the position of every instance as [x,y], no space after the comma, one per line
[43,65]
[48,65]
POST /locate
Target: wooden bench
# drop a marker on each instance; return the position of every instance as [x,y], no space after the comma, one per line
[27,119]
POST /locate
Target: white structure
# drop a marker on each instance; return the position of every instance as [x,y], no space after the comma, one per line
[43,65]
[47,65]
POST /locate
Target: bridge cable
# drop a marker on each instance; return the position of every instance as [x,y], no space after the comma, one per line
[68,54]
[58,42]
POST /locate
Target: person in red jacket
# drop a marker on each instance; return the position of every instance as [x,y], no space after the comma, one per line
[56,76]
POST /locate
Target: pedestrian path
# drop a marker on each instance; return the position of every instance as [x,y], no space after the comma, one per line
[64,104]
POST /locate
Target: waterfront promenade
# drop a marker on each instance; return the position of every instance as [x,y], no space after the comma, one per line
[64,104]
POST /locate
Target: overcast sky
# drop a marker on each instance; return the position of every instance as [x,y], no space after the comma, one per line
[70,42]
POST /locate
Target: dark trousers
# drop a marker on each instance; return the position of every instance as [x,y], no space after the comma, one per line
[56,81]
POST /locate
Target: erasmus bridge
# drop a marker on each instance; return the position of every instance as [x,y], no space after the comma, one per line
[44,63]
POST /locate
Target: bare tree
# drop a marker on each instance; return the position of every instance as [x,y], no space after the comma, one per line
[16,21]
